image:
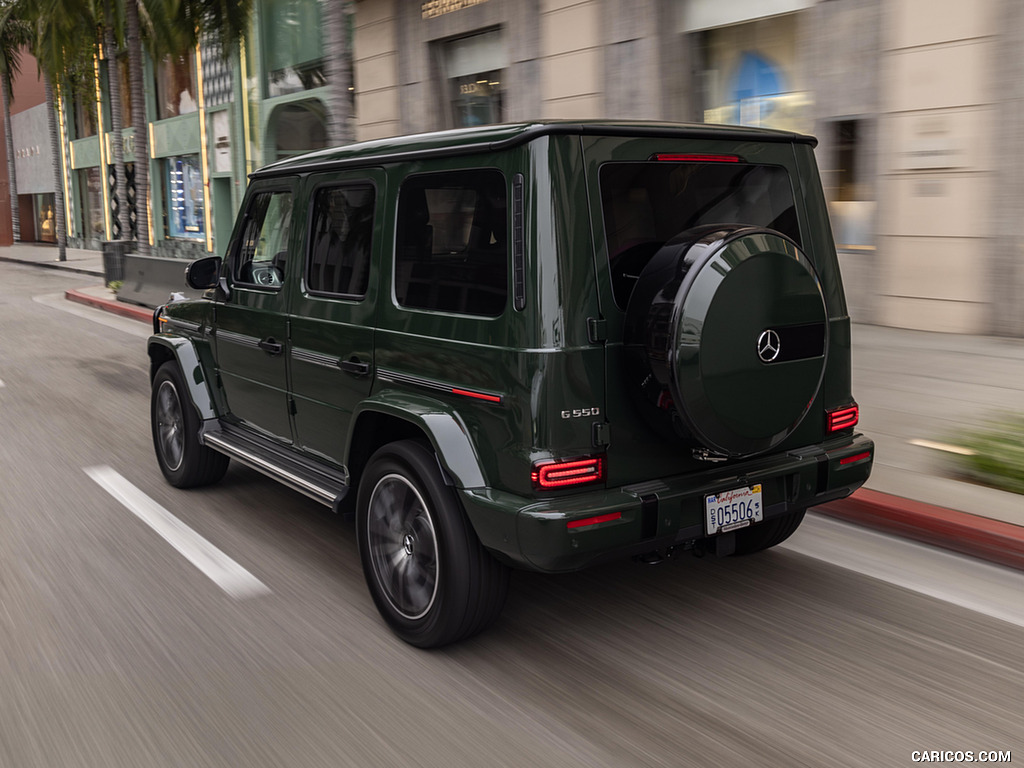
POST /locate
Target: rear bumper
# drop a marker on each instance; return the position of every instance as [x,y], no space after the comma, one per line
[536,533]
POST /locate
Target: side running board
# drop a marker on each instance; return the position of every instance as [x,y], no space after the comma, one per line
[320,483]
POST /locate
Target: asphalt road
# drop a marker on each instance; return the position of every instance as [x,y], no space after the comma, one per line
[840,649]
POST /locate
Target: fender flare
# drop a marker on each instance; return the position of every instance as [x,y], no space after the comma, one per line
[165,346]
[442,425]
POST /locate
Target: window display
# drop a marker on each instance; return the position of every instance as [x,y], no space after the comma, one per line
[185,204]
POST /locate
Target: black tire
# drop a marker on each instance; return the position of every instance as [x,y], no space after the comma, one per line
[431,579]
[184,461]
[768,534]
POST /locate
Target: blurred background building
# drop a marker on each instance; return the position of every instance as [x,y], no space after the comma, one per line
[918,106]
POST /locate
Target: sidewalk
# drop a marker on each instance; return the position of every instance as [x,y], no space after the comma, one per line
[916,391]
[78,260]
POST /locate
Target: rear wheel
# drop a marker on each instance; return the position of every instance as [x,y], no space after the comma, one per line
[767,534]
[431,579]
[185,462]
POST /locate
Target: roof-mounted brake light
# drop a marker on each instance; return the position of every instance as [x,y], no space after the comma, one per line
[671,158]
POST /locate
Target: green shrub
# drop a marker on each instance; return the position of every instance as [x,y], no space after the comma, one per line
[998,453]
[115,285]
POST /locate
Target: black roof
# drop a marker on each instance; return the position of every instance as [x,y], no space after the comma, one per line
[488,138]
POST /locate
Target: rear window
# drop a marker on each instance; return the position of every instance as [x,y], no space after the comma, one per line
[647,204]
[452,245]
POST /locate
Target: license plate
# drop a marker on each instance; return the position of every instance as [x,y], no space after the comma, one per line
[730,510]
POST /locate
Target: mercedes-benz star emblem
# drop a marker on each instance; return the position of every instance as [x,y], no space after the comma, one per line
[768,345]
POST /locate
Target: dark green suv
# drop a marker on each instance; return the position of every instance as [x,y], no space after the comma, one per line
[540,345]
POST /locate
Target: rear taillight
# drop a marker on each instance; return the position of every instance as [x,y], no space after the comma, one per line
[842,418]
[551,474]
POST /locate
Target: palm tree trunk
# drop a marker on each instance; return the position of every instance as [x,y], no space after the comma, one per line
[120,181]
[339,71]
[135,77]
[58,180]
[12,177]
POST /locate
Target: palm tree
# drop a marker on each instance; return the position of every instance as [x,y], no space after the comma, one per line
[57,42]
[168,26]
[339,71]
[112,21]
[174,28]
[14,36]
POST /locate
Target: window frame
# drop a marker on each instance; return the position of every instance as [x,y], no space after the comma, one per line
[506,189]
[239,239]
[310,219]
[789,174]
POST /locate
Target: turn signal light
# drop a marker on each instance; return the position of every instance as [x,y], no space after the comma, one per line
[843,418]
[550,474]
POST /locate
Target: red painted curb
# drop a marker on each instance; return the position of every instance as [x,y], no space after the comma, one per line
[114,307]
[981,537]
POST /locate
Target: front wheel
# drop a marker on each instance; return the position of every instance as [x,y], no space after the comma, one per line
[185,462]
[427,572]
[768,534]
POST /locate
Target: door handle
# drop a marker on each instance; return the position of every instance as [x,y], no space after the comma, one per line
[354,366]
[271,346]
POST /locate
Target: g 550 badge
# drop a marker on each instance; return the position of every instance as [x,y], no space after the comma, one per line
[579,413]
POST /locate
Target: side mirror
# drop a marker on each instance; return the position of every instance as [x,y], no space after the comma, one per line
[203,274]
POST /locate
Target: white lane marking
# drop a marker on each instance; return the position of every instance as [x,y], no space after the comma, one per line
[57,301]
[964,581]
[228,575]
[944,447]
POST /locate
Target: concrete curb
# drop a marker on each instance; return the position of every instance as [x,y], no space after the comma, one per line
[60,266]
[115,307]
[991,540]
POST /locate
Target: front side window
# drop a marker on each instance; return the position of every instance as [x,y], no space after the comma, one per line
[186,214]
[263,251]
[647,204]
[339,254]
[452,244]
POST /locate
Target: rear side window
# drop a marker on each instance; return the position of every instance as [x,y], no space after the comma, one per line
[342,233]
[263,253]
[452,243]
[647,204]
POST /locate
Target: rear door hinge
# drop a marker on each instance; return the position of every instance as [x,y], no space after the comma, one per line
[601,433]
[291,406]
[597,330]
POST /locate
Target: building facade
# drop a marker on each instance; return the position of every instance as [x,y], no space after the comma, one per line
[33,161]
[212,117]
[916,104]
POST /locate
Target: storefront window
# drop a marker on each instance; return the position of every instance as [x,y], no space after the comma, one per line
[298,128]
[91,197]
[751,75]
[46,225]
[852,207]
[185,204]
[175,87]
[473,68]
[85,117]
[292,46]
[126,95]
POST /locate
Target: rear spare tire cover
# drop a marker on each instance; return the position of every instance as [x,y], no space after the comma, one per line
[726,338]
